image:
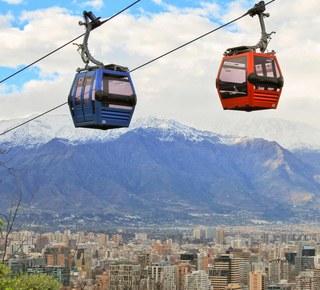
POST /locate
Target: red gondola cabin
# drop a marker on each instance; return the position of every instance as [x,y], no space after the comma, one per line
[249,81]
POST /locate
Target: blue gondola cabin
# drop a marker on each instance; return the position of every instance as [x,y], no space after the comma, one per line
[102,98]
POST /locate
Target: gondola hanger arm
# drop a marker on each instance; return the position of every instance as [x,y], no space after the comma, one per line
[85,53]
[259,9]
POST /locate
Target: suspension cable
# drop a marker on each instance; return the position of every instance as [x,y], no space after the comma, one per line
[153,60]
[36,117]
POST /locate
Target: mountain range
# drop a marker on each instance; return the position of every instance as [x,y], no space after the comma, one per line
[160,168]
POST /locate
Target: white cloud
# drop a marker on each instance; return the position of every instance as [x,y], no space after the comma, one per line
[182,84]
[96,4]
[13,1]
[5,20]
[44,31]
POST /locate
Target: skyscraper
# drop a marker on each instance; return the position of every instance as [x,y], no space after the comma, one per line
[197,234]
[123,274]
[266,238]
[219,236]
[244,265]
[224,272]
[162,274]
[257,281]
[279,269]
[284,238]
[58,256]
[305,258]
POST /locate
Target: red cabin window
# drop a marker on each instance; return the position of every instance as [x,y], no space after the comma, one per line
[233,78]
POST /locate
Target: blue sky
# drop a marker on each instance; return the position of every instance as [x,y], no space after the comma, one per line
[180,86]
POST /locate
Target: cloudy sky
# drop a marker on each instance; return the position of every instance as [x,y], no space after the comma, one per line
[179,86]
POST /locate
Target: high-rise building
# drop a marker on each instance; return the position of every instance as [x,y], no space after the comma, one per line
[304,259]
[307,280]
[266,238]
[219,236]
[279,269]
[197,280]
[101,239]
[181,271]
[284,238]
[58,256]
[290,257]
[161,275]
[117,239]
[224,272]
[197,234]
[143,260]
[304,281]
[83,259]
[258,281]
[244,265]
[316,278]
[18,248]
[122,275]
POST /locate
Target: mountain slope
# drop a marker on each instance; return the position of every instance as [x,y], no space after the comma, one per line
[164,169]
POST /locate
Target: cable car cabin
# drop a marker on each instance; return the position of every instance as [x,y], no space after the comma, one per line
[249,81]
[102,99]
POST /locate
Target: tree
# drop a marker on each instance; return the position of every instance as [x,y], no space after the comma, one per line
[10,225]
[25,281]
[5,161]
[1,226]
[8,220]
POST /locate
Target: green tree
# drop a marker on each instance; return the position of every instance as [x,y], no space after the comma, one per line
[1,226]
[25,281]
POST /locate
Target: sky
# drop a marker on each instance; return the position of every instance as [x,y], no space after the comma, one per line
[179,86]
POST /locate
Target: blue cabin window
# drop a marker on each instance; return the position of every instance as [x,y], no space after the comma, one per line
[87,87]
[120,87]
[78,91]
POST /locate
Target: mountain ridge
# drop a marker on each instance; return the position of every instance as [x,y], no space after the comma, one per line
[157,169]
[153,170]
[294,136]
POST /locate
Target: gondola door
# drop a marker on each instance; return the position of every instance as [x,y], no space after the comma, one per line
[88,96]
[78,109]
[83,97]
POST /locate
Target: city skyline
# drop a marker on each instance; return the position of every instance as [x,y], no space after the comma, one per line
[174,260]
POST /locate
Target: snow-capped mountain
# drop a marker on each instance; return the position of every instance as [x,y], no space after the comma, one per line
[47,128]
[290,135]
[156,166]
